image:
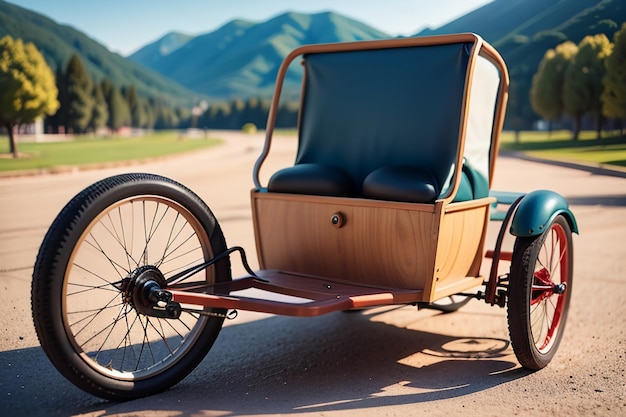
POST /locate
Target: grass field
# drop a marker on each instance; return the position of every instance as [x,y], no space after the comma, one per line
[92,151]
[89,151]
[558,145]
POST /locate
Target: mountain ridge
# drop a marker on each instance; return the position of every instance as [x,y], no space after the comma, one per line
[242,57]
[58,42]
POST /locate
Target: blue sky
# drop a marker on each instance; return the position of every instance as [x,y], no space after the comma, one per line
[126,25]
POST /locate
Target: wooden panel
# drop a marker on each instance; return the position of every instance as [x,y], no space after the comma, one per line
[380,243]
[460,248]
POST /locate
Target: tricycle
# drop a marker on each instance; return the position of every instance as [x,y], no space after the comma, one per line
[387,203]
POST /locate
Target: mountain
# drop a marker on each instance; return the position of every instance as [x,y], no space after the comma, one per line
[241,58]
[58,42]
[151,54]
[523,30]
[515,26]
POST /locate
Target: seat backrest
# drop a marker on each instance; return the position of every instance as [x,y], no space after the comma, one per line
[366,109]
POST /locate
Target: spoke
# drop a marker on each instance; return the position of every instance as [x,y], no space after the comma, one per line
[171,325]
[183,267]
[129,256]
[195,316]
[562,254]
[97,312]
[161,333]
[110,328]
[172,237]
[116,237]
[128,343]
[154,226]
[145,342]
[124,313]
[120,240]
[165,258]
[116,266]
[90,316]
[86,288]
[180,255]
[536,323]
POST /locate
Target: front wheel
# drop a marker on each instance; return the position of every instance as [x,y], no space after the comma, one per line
[107,242]
[540,288]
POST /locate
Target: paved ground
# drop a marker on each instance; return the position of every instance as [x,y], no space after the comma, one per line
[392,361]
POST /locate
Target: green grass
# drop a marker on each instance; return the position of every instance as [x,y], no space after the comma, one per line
[91,151]
[610,150]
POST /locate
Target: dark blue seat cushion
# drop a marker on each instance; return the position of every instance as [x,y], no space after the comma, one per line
[473,185]
[312,179]
[400,183]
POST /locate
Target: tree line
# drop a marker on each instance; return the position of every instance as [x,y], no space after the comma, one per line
[572,80]
[71,102]
[88,107]
[584,79]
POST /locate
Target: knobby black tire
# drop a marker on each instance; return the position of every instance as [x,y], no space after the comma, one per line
[92,336]
[537,317]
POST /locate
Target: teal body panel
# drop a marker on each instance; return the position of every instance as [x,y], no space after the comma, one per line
[536,212]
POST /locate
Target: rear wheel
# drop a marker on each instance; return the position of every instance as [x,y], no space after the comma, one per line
[540,288]
[103,251]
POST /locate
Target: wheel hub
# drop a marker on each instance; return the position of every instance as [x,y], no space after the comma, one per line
[144,291]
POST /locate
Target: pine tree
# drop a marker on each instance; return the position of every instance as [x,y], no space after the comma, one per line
[100,113]
[79,99]
[137,114]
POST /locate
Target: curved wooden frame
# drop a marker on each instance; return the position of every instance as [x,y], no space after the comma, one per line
[480,48]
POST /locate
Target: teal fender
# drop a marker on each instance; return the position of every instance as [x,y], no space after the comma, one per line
[537,211]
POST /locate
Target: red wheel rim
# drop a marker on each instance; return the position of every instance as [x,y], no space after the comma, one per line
[547,298]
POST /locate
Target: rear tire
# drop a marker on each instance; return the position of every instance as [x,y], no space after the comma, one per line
[83,311]
[540,288]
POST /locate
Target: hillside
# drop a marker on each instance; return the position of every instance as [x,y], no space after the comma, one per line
[58,42]
[241,58]
[519,28]
[523,30]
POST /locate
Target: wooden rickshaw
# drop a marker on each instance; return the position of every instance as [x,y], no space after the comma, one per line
[388,202]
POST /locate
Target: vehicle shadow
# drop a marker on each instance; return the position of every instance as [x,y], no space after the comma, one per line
[282,365]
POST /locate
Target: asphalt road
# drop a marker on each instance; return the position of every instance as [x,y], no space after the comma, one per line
[388,361]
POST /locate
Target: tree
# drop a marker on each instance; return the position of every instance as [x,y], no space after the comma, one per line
[150,111]
[58,119]
[582,84]
[519,112]
[166,117]
[79,99]
[137,114]
[119,114]
[546,92]
[100,113]
[27,86]
[614,94]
